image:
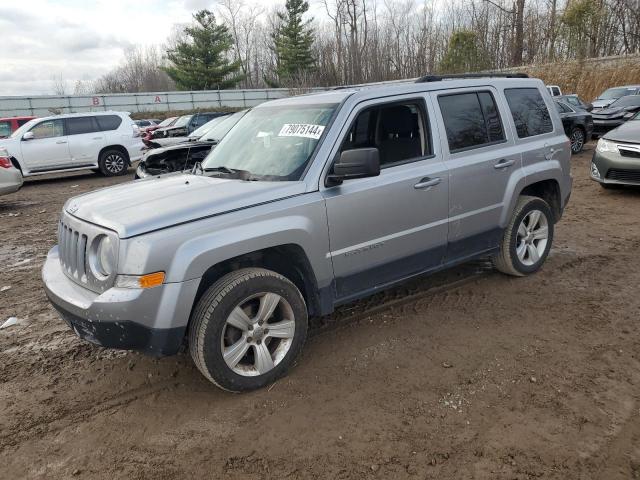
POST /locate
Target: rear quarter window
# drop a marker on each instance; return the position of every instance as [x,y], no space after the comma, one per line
[108,122]
[529,112]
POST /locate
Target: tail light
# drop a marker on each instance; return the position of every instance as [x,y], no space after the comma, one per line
[136,130]
[5,161]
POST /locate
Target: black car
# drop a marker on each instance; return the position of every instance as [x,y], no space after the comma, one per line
[574,101]
[578,125]
[615,114]
[184,155]
[186,124]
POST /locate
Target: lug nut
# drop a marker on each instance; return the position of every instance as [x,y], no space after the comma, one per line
[260,322]
[259,342]
[249,339]
[250,327]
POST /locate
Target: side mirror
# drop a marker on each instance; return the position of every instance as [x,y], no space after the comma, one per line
[356,163]
[28,136]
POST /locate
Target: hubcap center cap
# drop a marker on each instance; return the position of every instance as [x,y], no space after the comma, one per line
[258,333]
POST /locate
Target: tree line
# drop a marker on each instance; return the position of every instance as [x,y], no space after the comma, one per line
[360,41]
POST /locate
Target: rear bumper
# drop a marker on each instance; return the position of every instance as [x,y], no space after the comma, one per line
[10,181]
[152,321]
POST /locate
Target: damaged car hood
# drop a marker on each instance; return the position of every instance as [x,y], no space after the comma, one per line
[139,207]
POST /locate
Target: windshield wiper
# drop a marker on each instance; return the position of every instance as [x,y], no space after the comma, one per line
[237,173]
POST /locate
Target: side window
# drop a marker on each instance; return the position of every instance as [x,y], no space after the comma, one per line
[399,131]
[562,108]
[108,122]
[80,125]
[48,129]
[529,112]
[471,120]
[5,129]
[22,121]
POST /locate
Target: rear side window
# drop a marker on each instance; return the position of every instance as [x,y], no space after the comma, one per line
[471,120]
[529,112]
[562,108]
[80,125]
[108,122]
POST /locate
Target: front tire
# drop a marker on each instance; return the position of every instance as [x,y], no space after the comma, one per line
[527,239]
[577,138]
[248,329]
[113,163]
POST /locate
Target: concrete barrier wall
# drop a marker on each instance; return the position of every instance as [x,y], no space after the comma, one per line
[45,105]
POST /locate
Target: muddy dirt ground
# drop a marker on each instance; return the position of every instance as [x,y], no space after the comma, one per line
[468,374]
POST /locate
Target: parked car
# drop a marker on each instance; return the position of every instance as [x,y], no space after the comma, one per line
[142,124]
[10,176]
[107,142]
[577,123]
[185,154]
[615,114]
[554,90]
[11,124]
[574,101]
[610,95]
[147,132]
[311,202]
[196,134]
[185,124]
[616,160]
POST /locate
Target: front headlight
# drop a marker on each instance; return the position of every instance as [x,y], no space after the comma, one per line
[605,146]
[103,256]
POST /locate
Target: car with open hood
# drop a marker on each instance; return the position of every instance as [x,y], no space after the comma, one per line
[616,160]
[182,153]
[614,115]
[185,124]
[308,203]
[610,95]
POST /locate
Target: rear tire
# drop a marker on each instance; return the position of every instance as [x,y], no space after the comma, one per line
[527,239]
[113,163]
[248,329]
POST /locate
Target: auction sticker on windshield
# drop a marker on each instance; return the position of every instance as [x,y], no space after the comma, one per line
[305,130]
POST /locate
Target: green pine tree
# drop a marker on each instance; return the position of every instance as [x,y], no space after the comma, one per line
[292,43]
[200,62]
[463,54]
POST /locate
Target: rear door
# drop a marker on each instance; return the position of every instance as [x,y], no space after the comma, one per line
[392,226]
[85,140]
[481,156]
[48,149]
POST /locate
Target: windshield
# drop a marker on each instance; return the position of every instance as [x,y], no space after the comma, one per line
[167,122]
[628,101]
[182,121]
[219,131]
[200,131]
[24,128]
[612,93]
[272,142]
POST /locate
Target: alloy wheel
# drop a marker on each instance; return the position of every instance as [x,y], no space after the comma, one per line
[532,238]
[258,334]
[577,141]
[114,163]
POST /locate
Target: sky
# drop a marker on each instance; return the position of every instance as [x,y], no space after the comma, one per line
[81,39]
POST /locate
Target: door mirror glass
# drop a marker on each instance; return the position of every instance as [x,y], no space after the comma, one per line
[356,163]
[28,136]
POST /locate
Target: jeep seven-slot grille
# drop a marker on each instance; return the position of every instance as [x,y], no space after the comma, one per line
[72,247]
[624,175]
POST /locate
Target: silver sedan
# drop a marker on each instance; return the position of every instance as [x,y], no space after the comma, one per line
[10,176]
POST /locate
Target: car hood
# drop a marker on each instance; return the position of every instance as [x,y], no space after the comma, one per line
[628,132]
[142,206]
[184,145]
[602,103]
[165,142]
[609,112]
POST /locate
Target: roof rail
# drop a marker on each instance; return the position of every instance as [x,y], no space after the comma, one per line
[438,78]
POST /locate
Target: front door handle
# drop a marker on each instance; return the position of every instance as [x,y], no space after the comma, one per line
[549,155]
[504,164]
[60,142]
[427,182]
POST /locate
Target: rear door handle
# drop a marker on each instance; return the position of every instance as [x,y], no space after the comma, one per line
[427,182]
[504,164]
[60,142]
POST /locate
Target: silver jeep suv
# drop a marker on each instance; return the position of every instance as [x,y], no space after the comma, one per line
[308,203]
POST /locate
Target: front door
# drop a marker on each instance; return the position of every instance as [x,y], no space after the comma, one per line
[48,149]
[386,228]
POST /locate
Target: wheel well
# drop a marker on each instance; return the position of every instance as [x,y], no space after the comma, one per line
[120,148]
[289,261]
[549,191]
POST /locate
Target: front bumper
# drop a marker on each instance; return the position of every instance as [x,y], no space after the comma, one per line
[152,321]
[616,169]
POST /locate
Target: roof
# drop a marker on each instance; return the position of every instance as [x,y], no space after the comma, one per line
[365,92]
[86,114]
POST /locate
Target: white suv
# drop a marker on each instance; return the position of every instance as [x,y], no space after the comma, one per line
[107,142]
